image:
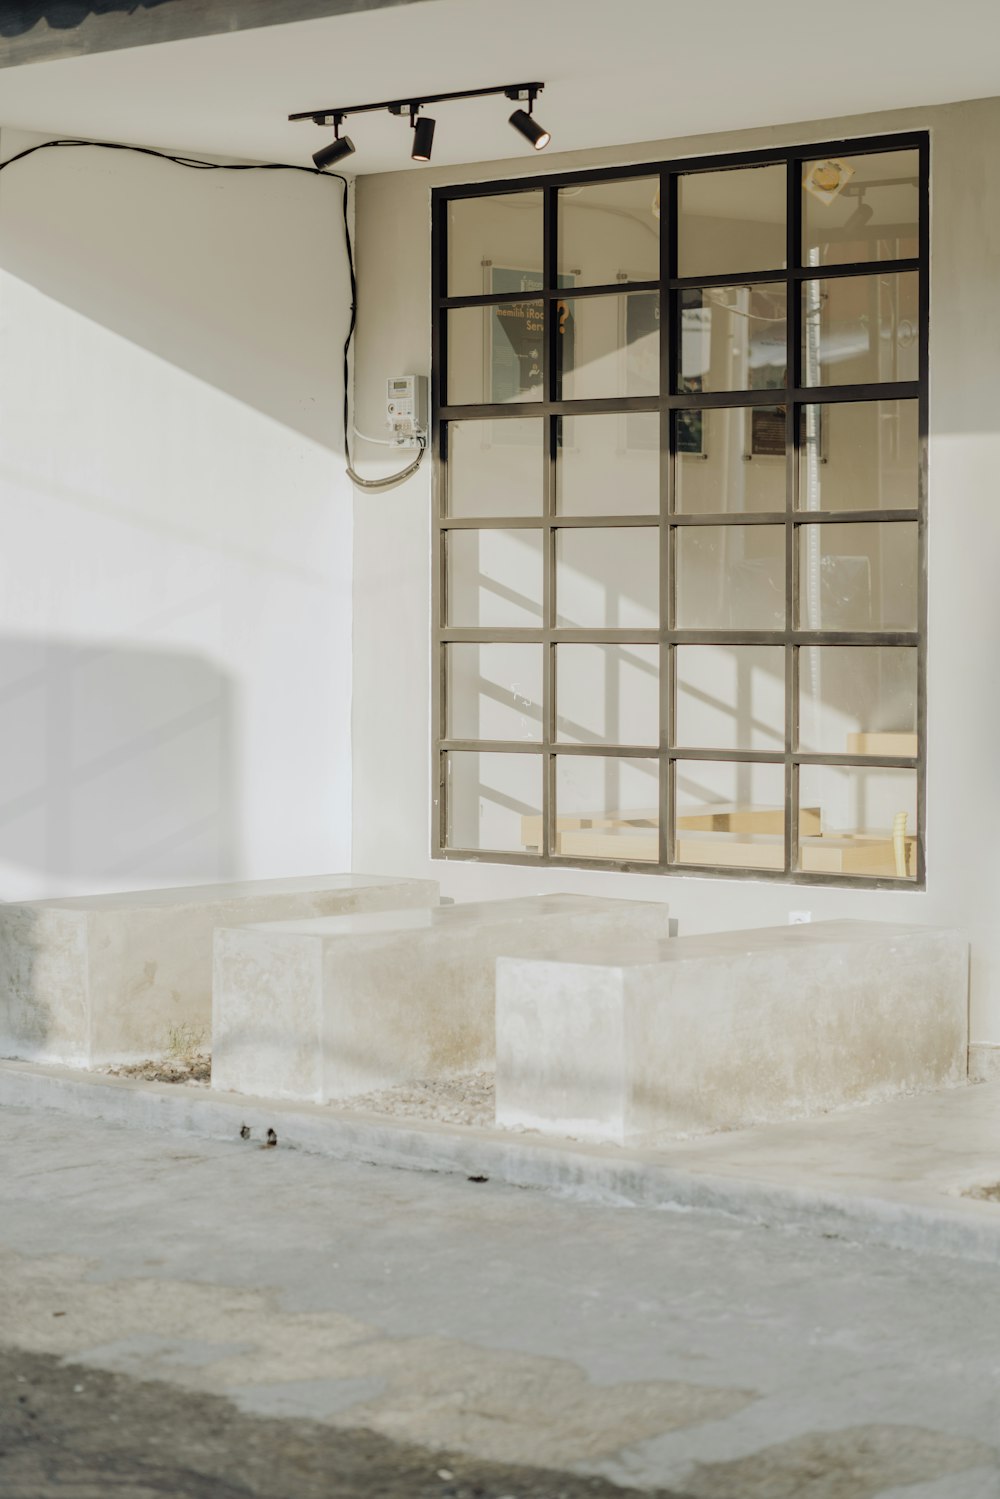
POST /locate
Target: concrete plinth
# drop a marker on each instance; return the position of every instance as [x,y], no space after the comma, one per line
[728,1030]
[322,1010]
[108,978]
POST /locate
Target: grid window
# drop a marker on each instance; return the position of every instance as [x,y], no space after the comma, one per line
[680,416]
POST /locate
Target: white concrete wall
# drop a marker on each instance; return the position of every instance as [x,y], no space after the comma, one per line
[175,525]
[392,659]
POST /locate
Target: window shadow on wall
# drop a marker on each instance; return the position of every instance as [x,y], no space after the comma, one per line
[117,768]
[63,15]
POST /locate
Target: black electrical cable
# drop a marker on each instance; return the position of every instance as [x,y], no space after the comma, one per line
[196,164]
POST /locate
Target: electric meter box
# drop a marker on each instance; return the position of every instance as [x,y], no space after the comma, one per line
[406,410]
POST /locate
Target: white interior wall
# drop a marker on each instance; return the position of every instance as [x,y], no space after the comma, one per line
[175,566]
[392,567]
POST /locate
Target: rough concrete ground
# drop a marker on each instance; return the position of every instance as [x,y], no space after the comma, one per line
[83,1433]
[321,1301]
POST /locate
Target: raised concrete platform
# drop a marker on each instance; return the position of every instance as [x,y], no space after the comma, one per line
[894,1173]
[728,1030]
[325,1009]
[106,978]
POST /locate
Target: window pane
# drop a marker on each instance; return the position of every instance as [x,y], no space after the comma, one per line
[868,821]
[608,694]
[730,459]
[861,329]
[608,578]
[730,697]
[858,700]
[493,800]
[495,468]
[858,577]
[607,807]
[733,338]
[609,346]
[609,231]
[860,208]
[730,814]
[859,455]
[730,577]
[494,244]
[494,691]
[494,578]
[732,221]
[608,465]
[495,354]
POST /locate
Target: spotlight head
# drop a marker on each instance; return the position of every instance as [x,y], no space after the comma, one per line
[862,215]
[530,129]
[423,138]
[339,147]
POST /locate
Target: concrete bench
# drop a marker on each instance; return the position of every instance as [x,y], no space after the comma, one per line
[107,978]
[728,1030]
[321,1010]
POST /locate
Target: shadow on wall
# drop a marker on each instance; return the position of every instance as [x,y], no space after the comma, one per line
[63,15]
[238,278]
[117,769]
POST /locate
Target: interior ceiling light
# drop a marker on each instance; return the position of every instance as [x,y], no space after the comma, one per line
[862,215]
[423,127]
[826,179]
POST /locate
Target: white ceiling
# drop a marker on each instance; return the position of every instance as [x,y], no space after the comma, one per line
[631,70]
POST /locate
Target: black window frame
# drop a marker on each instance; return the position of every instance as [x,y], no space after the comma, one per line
[796,396]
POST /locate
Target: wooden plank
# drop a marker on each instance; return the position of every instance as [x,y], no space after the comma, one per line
[882,743]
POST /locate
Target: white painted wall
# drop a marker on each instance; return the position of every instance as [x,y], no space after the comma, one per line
[175,525]
[392,660]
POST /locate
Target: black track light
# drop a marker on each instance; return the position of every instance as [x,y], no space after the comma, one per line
[530,129]
[339,147]
[423,138]
[520,94]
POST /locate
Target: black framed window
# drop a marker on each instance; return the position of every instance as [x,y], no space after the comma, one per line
[679,425]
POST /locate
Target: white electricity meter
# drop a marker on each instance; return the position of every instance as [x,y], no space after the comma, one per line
[406,410]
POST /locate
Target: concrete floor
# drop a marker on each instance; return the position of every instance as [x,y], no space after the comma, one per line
[679,1350]
[898,1173]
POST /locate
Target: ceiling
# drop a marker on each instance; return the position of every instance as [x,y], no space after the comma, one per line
[631,71]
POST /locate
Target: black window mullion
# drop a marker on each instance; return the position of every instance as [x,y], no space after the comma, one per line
[551,381]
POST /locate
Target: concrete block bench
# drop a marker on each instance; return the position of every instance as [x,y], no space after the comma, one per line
[106,978]
[321,1010]
[728,1030]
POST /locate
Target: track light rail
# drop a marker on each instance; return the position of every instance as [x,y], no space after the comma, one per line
[333,116]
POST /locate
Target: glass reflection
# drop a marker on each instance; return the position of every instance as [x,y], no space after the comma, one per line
[495,467]
[859,455]
[733,338]
[868,822]
[608,346]
[491,798]
[730,577]
[858,577]
[610,231]
[492,239]
[607,807]
[861,330]
[732,221]
[861,208]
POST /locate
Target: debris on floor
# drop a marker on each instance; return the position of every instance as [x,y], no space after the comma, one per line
[984,1194]
[185,1060]
[466,1099]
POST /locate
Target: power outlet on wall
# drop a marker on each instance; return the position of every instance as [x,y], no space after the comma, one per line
[797,918]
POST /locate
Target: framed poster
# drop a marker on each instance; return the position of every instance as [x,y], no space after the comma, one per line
[514,342]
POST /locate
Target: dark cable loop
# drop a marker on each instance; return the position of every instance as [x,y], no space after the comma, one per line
[197,164]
